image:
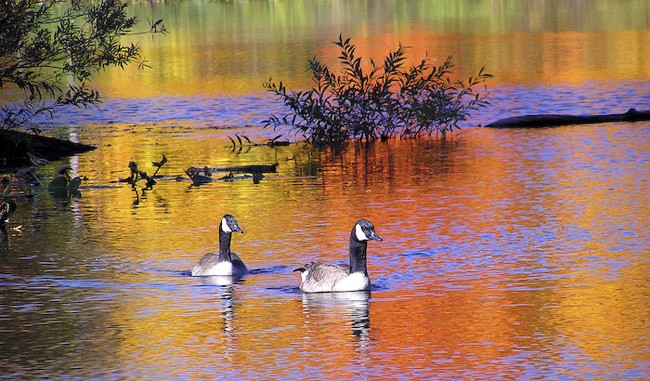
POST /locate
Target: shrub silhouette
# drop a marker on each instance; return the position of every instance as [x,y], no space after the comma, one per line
[385,101]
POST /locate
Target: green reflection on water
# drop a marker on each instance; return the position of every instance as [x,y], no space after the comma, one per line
[232,47]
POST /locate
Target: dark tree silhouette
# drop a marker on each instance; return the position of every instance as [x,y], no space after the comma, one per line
[50,50]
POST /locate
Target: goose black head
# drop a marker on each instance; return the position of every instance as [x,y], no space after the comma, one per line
[364,230]
[229,224]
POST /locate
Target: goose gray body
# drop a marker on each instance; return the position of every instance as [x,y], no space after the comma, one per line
[225,262]
[209,265]
[325,277]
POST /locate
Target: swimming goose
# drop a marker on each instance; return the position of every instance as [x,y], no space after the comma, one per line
[322,277]
[226,262]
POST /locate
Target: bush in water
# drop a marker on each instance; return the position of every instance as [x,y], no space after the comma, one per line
[383,101]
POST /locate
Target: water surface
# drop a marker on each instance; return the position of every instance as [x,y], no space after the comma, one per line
[507,254]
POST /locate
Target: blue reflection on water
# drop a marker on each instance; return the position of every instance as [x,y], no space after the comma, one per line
[251,110]
[522,255]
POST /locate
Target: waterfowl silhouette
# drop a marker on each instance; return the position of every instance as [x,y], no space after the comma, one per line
[7,208]
[226,262]
[197,178]
[62,181]
[323,277]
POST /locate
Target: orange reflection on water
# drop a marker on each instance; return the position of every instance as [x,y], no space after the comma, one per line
[225,48]
[488,253]
[481,197]
[431,333]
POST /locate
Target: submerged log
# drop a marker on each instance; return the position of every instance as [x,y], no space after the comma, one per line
[254,168]
[552,120]
[21,148]
[203,175]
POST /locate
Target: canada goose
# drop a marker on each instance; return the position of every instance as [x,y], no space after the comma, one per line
[226,262]
[322,277]
[196,176]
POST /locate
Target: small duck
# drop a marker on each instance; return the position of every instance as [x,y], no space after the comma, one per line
[62,181]
[226,262]
[322,277]
[7,208]
[197,178]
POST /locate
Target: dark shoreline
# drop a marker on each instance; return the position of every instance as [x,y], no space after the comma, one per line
[22,149]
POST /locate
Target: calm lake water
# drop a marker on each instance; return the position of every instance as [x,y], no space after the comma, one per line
[507,254]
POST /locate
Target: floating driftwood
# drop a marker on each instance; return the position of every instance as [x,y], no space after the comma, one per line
[551,120]
[21,148]
[254,168]
[198,179]
[203,175]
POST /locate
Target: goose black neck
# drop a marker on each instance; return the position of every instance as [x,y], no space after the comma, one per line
[224,246]
[358,255]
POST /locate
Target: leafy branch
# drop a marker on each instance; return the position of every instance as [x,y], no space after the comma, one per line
[52,59]
[377,100]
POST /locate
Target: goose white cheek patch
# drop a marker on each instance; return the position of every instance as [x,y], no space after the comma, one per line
[225,227]
[361,236]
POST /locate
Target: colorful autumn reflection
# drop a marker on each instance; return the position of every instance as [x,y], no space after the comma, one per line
[519,254]
[231,48]
[494,251]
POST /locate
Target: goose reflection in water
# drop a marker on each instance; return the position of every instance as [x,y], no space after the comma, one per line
[7,208]
[4,238]
[225,283]
[227,306]
[353,305]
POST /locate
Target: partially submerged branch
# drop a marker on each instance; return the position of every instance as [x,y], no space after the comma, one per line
[253,168]
[137,175]
[551,120]
[20,149]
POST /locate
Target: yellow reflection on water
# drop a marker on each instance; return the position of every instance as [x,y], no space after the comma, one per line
[231,48]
